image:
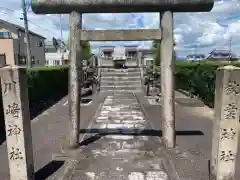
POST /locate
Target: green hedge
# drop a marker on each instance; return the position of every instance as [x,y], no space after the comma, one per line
[198,78]
[47,82]
[44,83]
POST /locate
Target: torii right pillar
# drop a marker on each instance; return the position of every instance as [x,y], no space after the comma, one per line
[167,79]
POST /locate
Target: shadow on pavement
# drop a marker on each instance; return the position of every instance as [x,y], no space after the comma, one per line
[130,132]
[90,140]
[2,135]
[36,108]
[48,170]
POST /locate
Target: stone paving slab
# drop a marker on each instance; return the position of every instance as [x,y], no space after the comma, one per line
[128,149]
[151,175]
[190,164]
[188,161]
[114,154]
[179,99]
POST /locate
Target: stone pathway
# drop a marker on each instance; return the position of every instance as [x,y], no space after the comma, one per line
[122,146]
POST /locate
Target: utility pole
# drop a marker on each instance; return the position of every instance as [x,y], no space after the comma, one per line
[29,60]
[61,47]
[230,48]
[196,52]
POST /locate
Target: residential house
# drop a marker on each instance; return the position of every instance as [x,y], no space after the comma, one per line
[106,52]
[146,56]
[13,45]
[56,55]
[195,57]
[222,55]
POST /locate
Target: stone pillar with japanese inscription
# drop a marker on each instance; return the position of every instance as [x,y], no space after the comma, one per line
[225,128]
[17,122]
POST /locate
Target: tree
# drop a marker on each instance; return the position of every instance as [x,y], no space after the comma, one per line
[156,45]
[86,49]
[156,52]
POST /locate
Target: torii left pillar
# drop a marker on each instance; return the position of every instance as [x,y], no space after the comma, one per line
[74,79]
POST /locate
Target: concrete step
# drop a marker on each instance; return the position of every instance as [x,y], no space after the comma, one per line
[121,74]
[118,78]
[119,83]
[121,89]
[120,70]
[121,86]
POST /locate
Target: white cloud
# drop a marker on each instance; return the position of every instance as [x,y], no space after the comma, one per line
[212,32]
[202,30]
[226,6]
[178,39]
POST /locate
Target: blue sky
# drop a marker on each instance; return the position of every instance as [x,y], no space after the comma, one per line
[193,32]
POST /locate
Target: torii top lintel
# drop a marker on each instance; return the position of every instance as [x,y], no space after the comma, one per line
[119,6]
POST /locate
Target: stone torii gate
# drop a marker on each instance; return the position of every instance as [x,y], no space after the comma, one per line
[165,33]
[14,81]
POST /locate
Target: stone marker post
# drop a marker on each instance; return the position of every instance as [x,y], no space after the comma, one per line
[17,122]
[225,129]
[167,79]
[75,78]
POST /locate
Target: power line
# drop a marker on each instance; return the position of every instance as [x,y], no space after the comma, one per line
[7,8]
[52,33]
[12,9]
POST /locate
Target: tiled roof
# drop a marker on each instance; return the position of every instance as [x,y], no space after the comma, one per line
[221,54]
[21,28]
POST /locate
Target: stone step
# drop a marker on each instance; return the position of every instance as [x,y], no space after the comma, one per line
[130,74]
[122,83]
[105,82]
[120,89]
[118,78]
[119,70]
[119,121]
[122,86]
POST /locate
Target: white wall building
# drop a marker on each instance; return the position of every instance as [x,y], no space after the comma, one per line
[195,57]
[133,55]
[54,56]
